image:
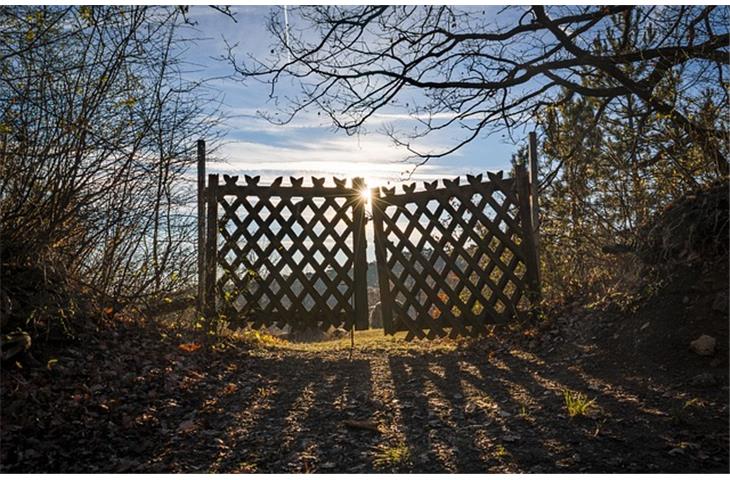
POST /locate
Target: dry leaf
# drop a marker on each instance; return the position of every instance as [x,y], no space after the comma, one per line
[189,347]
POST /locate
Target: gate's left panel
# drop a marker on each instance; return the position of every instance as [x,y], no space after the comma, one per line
[286,254]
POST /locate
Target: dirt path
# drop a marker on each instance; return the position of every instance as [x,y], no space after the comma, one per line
[488,407]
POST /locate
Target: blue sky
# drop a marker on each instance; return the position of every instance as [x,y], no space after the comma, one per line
[310,145]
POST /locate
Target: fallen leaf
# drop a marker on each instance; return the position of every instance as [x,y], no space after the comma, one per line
[189,347]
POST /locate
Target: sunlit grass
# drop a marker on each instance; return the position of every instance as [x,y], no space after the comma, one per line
[577,404]
[257,338]
[500,451]
[390,457]
[374,339]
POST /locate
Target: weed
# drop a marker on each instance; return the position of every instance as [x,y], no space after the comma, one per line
[392,456]
[246,467]
[500,451]
[577,403]
[264,392]
[694,402]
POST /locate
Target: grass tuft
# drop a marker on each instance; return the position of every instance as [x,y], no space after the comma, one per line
[577,404]
[390,457]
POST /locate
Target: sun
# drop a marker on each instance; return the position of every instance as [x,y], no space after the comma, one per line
[365,195]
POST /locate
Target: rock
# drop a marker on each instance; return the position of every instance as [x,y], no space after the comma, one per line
[704,345]
[720,304]
[703,380]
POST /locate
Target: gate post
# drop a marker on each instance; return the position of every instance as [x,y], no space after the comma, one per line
[360,264]
[211,249]
[532,261]
[381,257]
[200,300]
[534,199]
[534,203]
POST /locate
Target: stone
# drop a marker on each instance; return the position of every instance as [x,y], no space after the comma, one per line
[703,345]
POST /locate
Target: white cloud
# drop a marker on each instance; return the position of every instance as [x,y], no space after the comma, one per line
[375,159]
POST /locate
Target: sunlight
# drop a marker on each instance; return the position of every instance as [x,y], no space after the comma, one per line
[365,195]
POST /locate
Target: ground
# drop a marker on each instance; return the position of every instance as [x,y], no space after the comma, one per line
[144,399]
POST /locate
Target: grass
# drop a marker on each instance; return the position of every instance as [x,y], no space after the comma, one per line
[577,404]
[257,338]
[392,456]
[374,339]
[500,451]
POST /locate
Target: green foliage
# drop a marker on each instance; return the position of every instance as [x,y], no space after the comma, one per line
[610,169]
[576,403]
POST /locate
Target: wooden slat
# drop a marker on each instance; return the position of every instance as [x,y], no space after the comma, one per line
[360,260]
[528,236]
[211,249]
[200,301]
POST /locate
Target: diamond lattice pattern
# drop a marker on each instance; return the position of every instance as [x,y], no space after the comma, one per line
[453,259]
[286,259]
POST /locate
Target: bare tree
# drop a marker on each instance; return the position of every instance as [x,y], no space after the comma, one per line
[97,130]
[480,72]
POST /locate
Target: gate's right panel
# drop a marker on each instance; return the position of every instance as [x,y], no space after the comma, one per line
[450,258]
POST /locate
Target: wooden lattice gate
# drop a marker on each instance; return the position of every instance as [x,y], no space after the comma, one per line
[455,259]
[286,255]
[451,260]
